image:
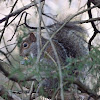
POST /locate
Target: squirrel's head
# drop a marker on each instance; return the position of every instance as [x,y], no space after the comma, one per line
[28,45]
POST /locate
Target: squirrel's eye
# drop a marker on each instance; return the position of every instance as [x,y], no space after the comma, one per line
[25,45]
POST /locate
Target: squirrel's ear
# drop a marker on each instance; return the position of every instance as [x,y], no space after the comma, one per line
[32,37]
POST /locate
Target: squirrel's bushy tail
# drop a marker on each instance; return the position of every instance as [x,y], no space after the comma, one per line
[73,38]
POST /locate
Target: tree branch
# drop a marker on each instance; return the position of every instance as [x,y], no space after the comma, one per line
[14,77]
[96,31]
[7,21]
[85,89]
[7,95]
[17,26]
[19,11]
[95,2]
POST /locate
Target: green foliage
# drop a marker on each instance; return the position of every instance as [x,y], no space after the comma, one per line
[74,68]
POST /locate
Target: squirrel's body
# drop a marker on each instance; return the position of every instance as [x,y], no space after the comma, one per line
[69,42]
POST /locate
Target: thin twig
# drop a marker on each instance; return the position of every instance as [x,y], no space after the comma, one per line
[58,61]
[8,45]
[25,22]
[10,22]
[31,90]
[17,26]
[7,21]
[18,11]
[87,21]
[6,57]
[93,25]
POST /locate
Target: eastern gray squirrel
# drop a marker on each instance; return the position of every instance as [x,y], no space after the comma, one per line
[69,42]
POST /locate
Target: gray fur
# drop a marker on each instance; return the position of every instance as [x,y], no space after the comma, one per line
[69,42]
[72,38]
